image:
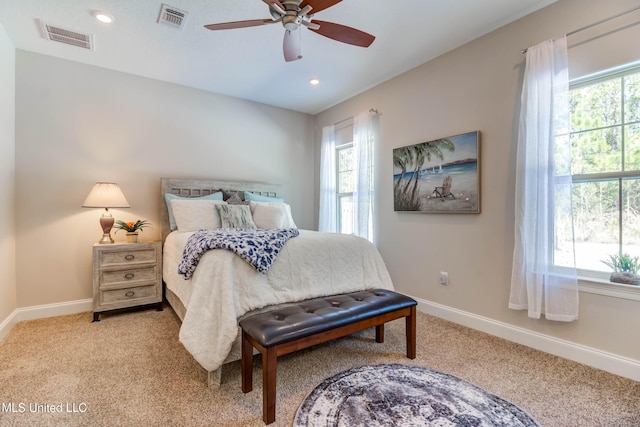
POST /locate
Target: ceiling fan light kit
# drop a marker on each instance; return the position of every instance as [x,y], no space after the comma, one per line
[296,13]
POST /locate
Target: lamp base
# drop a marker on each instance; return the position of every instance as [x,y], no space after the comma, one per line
[106,222]
[106,239]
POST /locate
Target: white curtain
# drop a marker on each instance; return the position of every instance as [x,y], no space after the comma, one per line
[327,221]
[365,135]
[543,189]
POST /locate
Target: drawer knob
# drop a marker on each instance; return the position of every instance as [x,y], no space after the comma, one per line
[129,294]
[129,257]
[129,276]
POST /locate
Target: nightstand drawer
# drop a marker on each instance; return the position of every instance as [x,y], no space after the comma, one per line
[131,256]
[109,277]
[134,295]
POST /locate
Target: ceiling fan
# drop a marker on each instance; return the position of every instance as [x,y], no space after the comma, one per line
[295,13]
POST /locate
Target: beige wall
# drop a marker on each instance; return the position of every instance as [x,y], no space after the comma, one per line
[7,177]
[78,124]
[477,87]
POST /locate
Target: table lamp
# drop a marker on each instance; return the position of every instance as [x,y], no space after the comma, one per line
[106,195]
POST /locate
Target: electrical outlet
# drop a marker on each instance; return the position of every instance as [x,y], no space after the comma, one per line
[444,278]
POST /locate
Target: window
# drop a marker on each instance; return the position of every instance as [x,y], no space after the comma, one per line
[347,180]
[347,194]
[345,177]
[346,186]
[605,148]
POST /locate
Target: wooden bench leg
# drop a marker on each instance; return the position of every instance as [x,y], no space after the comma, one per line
[246,364]
[411,333]
[380,333]
[269,360]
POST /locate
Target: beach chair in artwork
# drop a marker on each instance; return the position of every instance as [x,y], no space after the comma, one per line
[444,191]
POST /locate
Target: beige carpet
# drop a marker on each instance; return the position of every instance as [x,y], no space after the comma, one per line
[130,370]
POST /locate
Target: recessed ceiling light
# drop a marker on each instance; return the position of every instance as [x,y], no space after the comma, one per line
[314,81]
[103,17]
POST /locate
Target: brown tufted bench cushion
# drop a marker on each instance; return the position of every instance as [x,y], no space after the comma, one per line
[292,327]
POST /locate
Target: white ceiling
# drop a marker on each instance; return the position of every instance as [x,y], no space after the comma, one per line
[248,63]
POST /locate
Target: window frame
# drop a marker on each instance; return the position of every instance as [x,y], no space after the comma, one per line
[593,281]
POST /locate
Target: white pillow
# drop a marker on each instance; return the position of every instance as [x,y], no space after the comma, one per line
[168,197]
[192,215]
[270,215]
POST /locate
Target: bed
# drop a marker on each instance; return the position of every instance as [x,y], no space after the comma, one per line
[224,287]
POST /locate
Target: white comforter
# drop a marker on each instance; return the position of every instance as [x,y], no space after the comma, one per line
[224,286]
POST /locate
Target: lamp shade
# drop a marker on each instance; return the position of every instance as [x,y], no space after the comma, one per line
[105,195]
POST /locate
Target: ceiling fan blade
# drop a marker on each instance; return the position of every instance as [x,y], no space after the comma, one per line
[291,45]
[318,5]
[343,34]
[239,24]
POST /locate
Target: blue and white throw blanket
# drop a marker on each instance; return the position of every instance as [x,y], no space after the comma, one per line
[258,247]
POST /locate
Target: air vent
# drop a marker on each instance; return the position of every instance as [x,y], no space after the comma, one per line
[66,36]
[172,16]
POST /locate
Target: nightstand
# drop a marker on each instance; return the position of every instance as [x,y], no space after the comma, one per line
[126,275]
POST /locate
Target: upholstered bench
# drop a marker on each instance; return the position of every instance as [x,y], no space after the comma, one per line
[291,327]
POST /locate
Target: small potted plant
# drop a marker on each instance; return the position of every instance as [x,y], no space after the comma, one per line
[625,269]
[131,228]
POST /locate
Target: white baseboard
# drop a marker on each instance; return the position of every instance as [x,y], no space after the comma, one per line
[7,324]
[58,309]
[42,311]
[613,363]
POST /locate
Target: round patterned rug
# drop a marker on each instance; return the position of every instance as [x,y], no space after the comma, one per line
[399,395]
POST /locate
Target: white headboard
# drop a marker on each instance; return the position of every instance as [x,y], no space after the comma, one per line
[193,187]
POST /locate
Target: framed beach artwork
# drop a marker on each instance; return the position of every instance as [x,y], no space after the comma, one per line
[439,176]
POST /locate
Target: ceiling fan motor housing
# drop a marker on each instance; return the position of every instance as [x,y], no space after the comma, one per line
[290,23]
[291,20]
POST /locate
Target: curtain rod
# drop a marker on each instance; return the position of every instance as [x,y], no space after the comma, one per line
[602,21]
[371,110]
[343,120]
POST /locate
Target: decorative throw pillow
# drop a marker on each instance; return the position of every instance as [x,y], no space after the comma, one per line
[195,214]
[168,197]
[226,195]
[235,199]
[270,215]
[258,198]
[235,216]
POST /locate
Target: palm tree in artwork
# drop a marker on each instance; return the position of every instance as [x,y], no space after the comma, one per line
[414,157]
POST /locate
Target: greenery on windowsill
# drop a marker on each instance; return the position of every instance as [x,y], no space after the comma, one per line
[624,263]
